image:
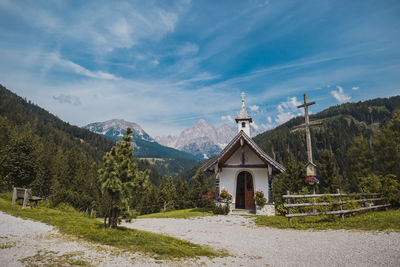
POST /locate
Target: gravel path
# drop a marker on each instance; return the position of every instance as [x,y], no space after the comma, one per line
[260,246]
[29,243]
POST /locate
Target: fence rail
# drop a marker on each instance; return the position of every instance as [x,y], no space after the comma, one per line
[340,203]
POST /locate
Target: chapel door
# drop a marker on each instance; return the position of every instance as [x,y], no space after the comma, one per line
[249,192]
[240,191]
[245,191]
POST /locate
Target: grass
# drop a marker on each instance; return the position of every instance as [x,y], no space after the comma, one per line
[388,221]
[51,258]
[71,222]
[186,213]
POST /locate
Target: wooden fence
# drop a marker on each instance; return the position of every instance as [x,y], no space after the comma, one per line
[365,198]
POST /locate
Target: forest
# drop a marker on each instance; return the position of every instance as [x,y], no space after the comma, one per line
[356,148]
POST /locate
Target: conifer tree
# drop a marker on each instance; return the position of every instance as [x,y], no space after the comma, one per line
[327,173]
[360,162]
[120,179]
[182,194]
[200,191]
[167,194]
[386,146]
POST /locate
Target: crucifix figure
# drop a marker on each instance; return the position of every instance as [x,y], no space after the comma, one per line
[311,167]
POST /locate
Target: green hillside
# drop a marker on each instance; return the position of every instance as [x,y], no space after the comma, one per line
[40,151]
[340,125]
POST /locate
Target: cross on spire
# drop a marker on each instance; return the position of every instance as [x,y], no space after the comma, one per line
[242,94]
[307,126]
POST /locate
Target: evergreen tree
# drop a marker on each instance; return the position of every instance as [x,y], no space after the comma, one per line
[167,194]
[386,146]
[19,162]
[201,192]
[182,194]
[328,174]
[292,180]
[360,162]
[120,178]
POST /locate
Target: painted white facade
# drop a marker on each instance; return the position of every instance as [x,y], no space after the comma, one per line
[228,176]
[246,128]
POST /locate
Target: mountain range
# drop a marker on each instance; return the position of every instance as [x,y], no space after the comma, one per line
[202,139]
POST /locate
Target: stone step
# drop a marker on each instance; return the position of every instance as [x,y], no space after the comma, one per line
[242,212]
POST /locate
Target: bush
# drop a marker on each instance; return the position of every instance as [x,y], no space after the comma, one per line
[221,209]
[75,199]
[128,216]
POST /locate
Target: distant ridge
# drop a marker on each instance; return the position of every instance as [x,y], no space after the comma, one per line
[202,139]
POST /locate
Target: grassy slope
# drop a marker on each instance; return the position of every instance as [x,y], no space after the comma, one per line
[371,221]
[74,223]
[186,213]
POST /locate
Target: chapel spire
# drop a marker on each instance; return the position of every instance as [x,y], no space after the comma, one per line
[243,119]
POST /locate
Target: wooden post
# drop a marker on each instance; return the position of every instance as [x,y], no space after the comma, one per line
[288,202]
[314,210]
[14,196]
[26,198]
[341,205]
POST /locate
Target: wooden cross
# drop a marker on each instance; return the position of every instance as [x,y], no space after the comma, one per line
[307,126]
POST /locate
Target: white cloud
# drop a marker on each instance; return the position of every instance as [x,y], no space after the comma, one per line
[227,118]
[340,95]
[287,110]
[267,126]
[69,99]
[355,88]
[155,62]
[269,119]
[55,59]
[255,126]
[254,108]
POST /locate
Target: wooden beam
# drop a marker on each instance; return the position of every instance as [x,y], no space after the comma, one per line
[244,166]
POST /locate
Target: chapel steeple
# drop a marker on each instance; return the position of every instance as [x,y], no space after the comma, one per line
[243,119]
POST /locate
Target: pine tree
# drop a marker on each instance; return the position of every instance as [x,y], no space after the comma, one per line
[167,194]
[292,180]
[327,173]
[360,162]
[120,178]
[182,194]
[386,146]
[201,191]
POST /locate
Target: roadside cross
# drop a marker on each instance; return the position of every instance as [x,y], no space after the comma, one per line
[310,165]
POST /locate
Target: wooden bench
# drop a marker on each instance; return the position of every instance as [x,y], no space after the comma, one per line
[26,195]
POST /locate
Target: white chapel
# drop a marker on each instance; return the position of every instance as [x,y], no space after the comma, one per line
[242,168]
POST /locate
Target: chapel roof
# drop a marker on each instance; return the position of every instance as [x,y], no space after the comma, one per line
[228,151]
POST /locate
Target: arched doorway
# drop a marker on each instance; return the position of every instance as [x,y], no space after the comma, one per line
[245,191]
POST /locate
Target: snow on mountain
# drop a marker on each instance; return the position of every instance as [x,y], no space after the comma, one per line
[117,128]
[202,139]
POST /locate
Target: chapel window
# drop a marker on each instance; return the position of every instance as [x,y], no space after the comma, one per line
[243,124]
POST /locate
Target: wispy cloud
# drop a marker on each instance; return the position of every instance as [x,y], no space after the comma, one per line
[254,108]
[340,95]
[68,99]
[355,88]
[287,110]
[55,59]
[227,118]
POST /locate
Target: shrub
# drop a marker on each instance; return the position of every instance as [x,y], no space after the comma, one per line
[221,209]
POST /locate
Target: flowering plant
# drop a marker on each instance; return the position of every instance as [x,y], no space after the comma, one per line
[224,195]
[259,198]
[311,180]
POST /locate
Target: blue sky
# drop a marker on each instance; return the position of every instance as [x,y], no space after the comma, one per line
[167,64]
